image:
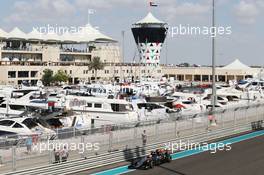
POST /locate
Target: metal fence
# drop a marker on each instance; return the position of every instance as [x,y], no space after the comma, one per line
[98,141]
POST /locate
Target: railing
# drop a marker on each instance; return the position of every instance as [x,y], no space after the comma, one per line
[80,165]
[29,49]
[69,63]
[125,143]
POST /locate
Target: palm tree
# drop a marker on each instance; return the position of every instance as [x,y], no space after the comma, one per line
[96,64]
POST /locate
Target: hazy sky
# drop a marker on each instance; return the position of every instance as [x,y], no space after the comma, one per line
[112,16]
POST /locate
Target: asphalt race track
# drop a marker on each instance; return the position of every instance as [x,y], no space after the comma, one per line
[245,158]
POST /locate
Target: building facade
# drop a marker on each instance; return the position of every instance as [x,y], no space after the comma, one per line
[204,74]
[23,58]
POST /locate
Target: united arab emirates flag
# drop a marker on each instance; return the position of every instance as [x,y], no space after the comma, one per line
[153,4]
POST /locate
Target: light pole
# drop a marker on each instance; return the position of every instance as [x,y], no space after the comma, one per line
[123,52]
[213,59]
[166,51]
[123,46]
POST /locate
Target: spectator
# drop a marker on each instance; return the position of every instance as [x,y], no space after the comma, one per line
[144,138]
[29,144]
[1,161]
[212,119]
[56,155]
[64,154]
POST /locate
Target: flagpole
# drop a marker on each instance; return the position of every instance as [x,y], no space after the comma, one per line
[89,12]
[149,5]
[123,52]
[88,16]
[213,60]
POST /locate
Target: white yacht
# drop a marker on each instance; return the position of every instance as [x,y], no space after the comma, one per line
[11,110]
[24,127]
[28,98]
[151,111]
[148,89]
[79,121]
[102,111]
[96,90]
[189,107]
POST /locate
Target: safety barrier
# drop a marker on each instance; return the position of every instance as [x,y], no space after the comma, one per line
[123,138]
[125,155]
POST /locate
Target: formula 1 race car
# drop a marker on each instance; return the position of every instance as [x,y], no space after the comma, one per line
[257,125]
[161,156]
[145,162]
[156,158]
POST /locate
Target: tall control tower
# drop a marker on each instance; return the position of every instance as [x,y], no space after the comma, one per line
[149,34]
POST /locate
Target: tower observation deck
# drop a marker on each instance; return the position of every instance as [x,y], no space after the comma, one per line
[149,34]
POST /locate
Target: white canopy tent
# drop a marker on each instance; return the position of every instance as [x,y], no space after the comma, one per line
[5,59]
[150,19]
[3,34]
[85,35]
[17,34]
[35,35]
[67,37]
[51,37]
[90,34]
[97,35]
[15,59]
[236,65]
